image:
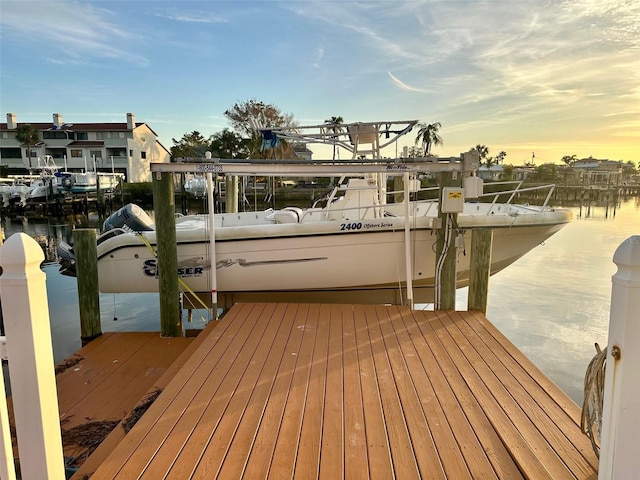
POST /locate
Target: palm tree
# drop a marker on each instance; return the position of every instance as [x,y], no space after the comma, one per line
[428,136]
[334,125]
[483,151]
[28,135]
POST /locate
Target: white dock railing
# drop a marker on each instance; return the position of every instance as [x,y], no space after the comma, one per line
[30,353]
[619,458]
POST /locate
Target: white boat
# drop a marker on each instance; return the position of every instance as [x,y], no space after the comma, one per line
[196,185]
[19,191]
[42,189]
[44,183]
[5,191]
[86,182]
[354,247]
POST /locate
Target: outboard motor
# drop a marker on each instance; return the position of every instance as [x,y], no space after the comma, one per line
[130,218]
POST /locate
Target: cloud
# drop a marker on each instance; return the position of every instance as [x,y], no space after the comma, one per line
[319,55]
[75,32]
[404,86]
[192,17]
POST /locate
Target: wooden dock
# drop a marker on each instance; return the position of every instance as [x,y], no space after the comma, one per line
[100,386]
[352,391]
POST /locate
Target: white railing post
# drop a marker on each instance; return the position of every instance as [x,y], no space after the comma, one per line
[31,368]
[619,458]
[7,465]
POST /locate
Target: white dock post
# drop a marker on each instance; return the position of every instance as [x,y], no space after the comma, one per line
[7,466]
[30,351]
[619,457]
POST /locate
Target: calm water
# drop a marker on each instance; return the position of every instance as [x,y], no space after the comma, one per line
[553,303]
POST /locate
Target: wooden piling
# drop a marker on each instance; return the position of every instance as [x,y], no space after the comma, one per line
[480,269]
[86,252]
[447,277]
[164,207]
[231,194]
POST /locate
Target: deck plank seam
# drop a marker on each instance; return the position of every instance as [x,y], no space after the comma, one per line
[554,412]
[103,349]
[354,402]
[205,462]
[501,405]
[374,407]
[394,349]
[442,423]
[476,419]
[391,403]
[470,404]
[162,404]
[309,357]
[560,397]
[279,375]
[539,417]
[314,402]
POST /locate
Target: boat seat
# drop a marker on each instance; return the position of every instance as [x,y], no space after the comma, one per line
[288,215]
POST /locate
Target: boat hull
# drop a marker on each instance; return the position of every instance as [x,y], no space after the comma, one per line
[309,259]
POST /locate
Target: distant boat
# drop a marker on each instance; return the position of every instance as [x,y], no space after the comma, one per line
[196,185]
[45,184]
[88,181]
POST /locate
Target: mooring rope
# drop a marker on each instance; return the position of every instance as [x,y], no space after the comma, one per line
[593,398]
[181,282]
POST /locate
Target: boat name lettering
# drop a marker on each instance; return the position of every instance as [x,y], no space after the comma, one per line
[208,167]
[364,226]
[377,225]
[351,226]
[399,167]
[150,269]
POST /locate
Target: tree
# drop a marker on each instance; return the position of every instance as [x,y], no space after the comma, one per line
[500,157]
[507,173]
[191,145]
[334,126]
[249,117]
[428,136]
[28,135]
[629,168]
[414,152]
[547,172]
[569,160]
[227,144]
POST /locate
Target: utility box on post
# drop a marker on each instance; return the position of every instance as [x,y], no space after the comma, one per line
[473,187]
[452,200]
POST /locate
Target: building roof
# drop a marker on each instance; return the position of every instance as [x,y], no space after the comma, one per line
[76,127]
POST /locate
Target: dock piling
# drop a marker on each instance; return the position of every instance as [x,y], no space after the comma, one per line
[480,269]
[86,251]
[164,207]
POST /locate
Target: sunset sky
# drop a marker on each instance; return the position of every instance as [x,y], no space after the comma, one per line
[551,77]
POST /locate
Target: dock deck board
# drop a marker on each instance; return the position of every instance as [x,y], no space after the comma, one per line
[355,391]
[101,384]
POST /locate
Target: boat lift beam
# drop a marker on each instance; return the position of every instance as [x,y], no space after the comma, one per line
[317,168]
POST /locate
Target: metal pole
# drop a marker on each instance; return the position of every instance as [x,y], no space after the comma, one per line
[407,241]
[212,248]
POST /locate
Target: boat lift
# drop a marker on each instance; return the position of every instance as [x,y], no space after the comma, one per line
[465,165]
